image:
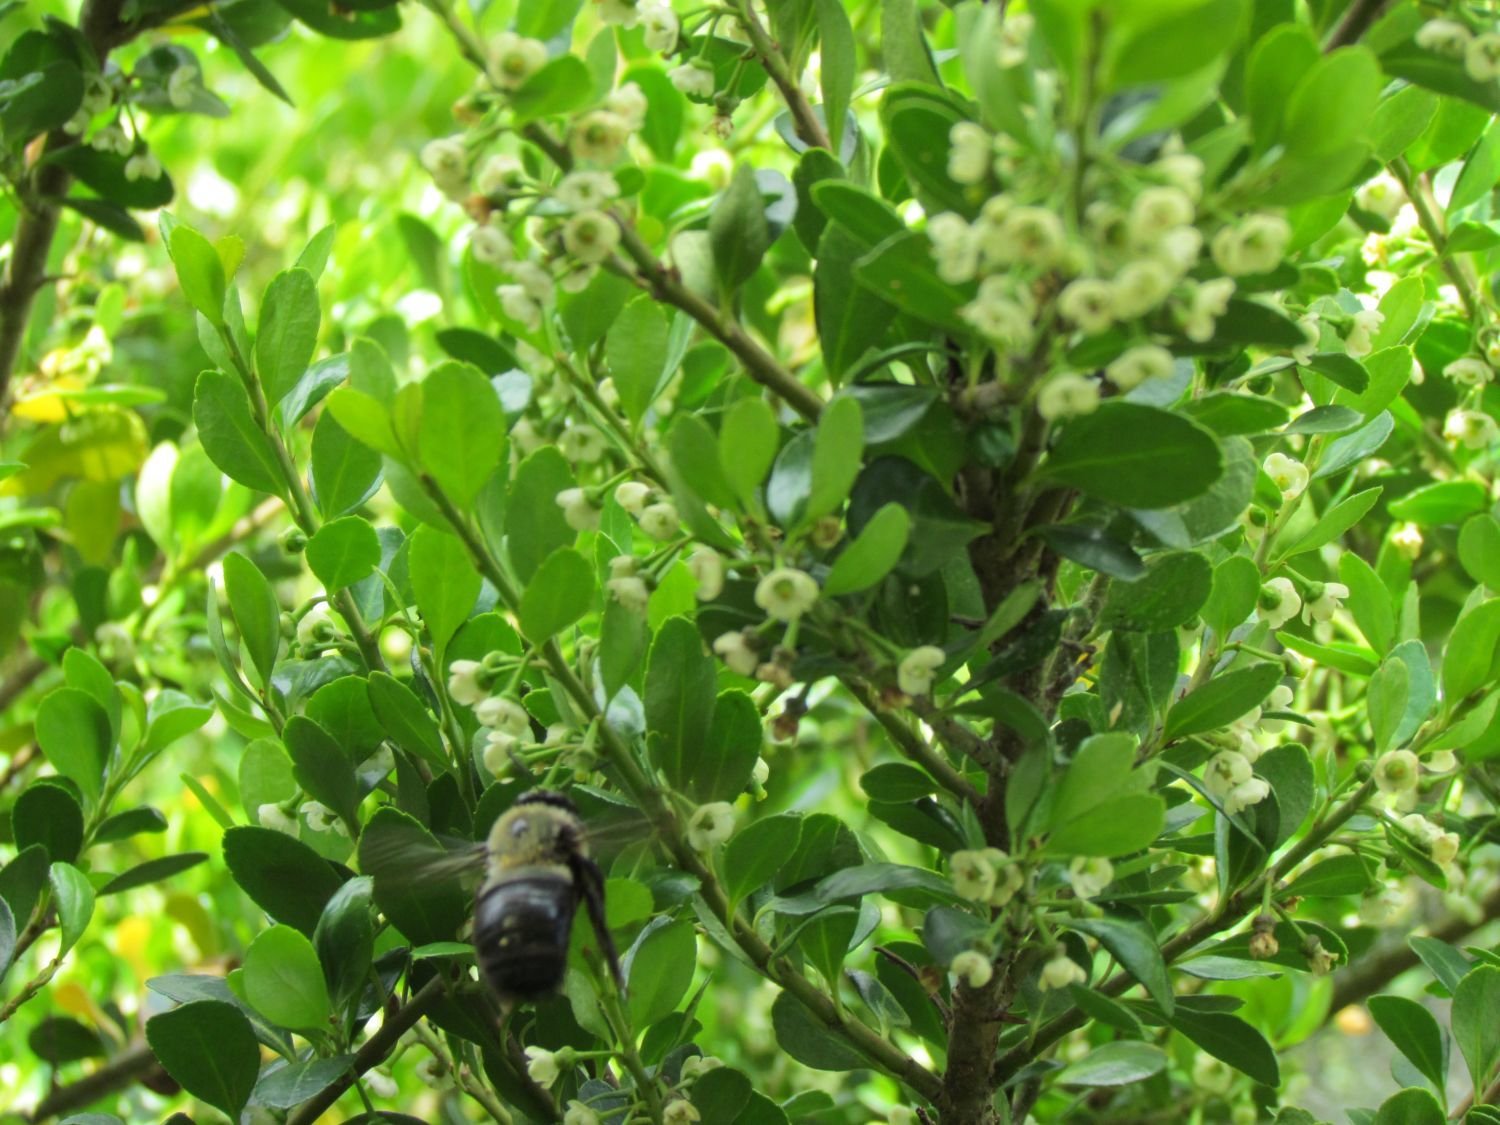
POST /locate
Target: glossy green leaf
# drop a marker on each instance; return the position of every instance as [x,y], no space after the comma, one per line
[255,609]
[284,981]
[1222,699]
[342,552]
[209,1048]
[73,730]
[73,898]
[659,969]
[559,593]
[1475,1002]
[199,272]
[1135,456]
[283,876]
[230,435]
[458,438]
[1415,1033]
[444,581]
[288,335]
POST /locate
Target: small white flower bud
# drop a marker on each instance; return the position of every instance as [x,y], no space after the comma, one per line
[918,668]
[786,593]
[707,567]
[660,521]
[973,968]
[710,825]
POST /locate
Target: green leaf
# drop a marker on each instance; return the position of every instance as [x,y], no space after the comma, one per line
[200,272]
[1470,652]
[1369,601]
[1333,523]
[535,526]
[1351,449]
[393,846]
[1446,502]
[1475,1030]
[284,982]
[1479,549]
[229,434]
[342,552]
[296,1082]
[1332,103]
[542,19]
[288,335]
[1415,1033]
[728,758]
[561,86]
[917,128]
[1133,946]
[444,581]
[939,527]
[458,438]
[680,679]
[366,419]
[808,1040]
[748,442]
[839,66]
[721,1094]
[47,815]
[1447,964]
[7,937]
[872,553]
[1386,701]
[1222,700]
[737,229]
[559,593]
[73,730]
[757,852]
[152,871]
[322,768]
[658,970]
[1412,1106]
[1135,456]
[1171,593]
[836,457]
[1114,1064]
[900,271]
[255,610]
[283,876]
[1230,1039]
[209,1048]
[73,898]
[695,459]
[635,349]
[623,637]
[1332,878]
[1232,594]
[408,723]
[1114,828]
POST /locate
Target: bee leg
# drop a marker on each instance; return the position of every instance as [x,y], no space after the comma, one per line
[590,882]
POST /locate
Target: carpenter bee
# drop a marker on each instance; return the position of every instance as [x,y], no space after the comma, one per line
[537,870]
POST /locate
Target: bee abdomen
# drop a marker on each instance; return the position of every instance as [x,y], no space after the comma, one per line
[521,930]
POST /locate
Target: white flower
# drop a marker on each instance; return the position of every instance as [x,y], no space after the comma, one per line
[1279,602]
[447,163]
[587,191]
[316,626]
[1323,602]
[1089,875]
[99,95]
[1473,429]
[1225,770]
[630,104]
[112,139]
[1134,367]
[1396,771]
[517,305]
[381,1084]
[499,175]
[973,875]
[630,591]
[1209,301]
[541,1065]
[1089,303]
[760,773]
[1180,249]
[1212,1075]
[660,521]
[1157,210]
[997,315]
[1034,236]
[1407,539]
[1302,354]
[1280,699]
[599,136]
[619,13]
[320,818]
[591,236]
[1139,287]
[1363,325]
[1441,846]
[491,245]
[533,278]
[1380,906]
[1256,244]
[632,496]
[955,250]
[707,568]
[1287,473]
[581,443]
[1182,169]
[143,166]
[786,593]
[1482,57]
[180,86]
[1444,37]
[710,825]
[918,668]
[580,1114]
[1009,878]
[736,653]
[1015,34]
[115,643]
[973,968]
[679,1112]
[660,25]
[1382,195]
[464,682]
[1066,395]
[1470,371]
[971,148]
[1245,794]
[1440,761]
[524,437]
[502,713]
[271,816]
[696,1066]
[432,1073]
[515,59]
[1060,972]
[695,79]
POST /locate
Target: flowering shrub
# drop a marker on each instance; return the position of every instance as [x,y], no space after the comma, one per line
[995,501]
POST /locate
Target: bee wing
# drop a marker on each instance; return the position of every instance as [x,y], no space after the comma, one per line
[589,880]
[404,862]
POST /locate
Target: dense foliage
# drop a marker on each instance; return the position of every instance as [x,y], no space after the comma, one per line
[987,510]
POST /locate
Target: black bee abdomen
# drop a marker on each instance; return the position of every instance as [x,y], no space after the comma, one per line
[521,930]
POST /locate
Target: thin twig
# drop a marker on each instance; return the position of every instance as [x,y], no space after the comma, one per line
[1356,21]
[809,128]
[128,1067]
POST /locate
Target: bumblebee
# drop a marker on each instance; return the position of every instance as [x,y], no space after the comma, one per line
[537,872]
